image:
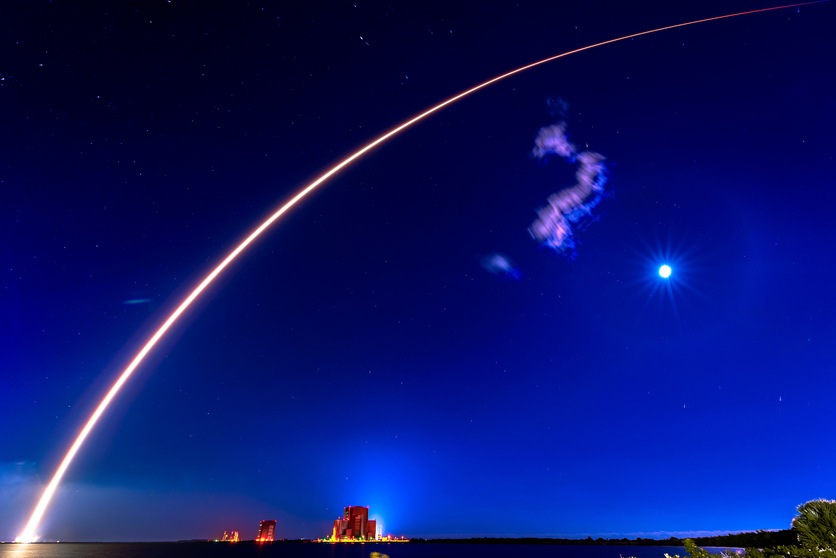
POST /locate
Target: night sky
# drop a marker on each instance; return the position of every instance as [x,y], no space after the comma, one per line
[400,340]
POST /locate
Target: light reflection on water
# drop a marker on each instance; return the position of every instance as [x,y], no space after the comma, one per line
[317,550]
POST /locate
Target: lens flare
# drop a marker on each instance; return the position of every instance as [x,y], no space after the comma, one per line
[28,534]
[665,271]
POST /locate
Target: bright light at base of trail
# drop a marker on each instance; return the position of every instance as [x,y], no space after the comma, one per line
[665,271]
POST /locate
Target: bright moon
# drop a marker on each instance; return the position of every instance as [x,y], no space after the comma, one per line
[665,271]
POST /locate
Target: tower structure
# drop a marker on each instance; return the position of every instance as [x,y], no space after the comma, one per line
[354,525]
[266,530]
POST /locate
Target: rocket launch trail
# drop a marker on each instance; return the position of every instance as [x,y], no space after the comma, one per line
[29,534]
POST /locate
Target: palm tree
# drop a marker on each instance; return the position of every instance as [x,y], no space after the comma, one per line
[816,526]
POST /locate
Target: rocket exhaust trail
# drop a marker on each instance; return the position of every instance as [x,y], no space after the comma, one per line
[29,533]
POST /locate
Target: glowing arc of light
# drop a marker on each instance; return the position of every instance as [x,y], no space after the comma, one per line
[28,534]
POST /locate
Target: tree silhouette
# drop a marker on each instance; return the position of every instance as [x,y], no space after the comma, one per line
[816,526]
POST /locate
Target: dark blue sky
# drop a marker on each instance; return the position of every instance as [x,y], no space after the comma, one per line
[360,353]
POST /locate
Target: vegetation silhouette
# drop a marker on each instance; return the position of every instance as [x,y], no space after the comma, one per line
[814,528]
[757,539]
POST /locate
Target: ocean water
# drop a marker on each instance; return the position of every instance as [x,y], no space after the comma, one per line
[319,550]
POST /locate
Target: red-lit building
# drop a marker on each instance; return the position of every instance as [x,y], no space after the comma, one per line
[355,524]
[266,530]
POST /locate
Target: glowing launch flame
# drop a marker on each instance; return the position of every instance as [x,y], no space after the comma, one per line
[28,534]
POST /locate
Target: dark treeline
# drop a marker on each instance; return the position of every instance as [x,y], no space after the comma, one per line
[757,539]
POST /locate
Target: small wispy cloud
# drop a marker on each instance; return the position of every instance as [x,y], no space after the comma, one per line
[499,264]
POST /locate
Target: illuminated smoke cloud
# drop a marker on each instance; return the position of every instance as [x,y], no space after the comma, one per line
[553,140]
[571,206]
[500,265]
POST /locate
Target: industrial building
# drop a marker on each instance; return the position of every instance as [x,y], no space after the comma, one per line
[266,530]
[355,525]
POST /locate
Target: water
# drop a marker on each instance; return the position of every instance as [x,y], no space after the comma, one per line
[319,550]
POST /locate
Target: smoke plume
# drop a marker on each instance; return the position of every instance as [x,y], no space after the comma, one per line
[572,206]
